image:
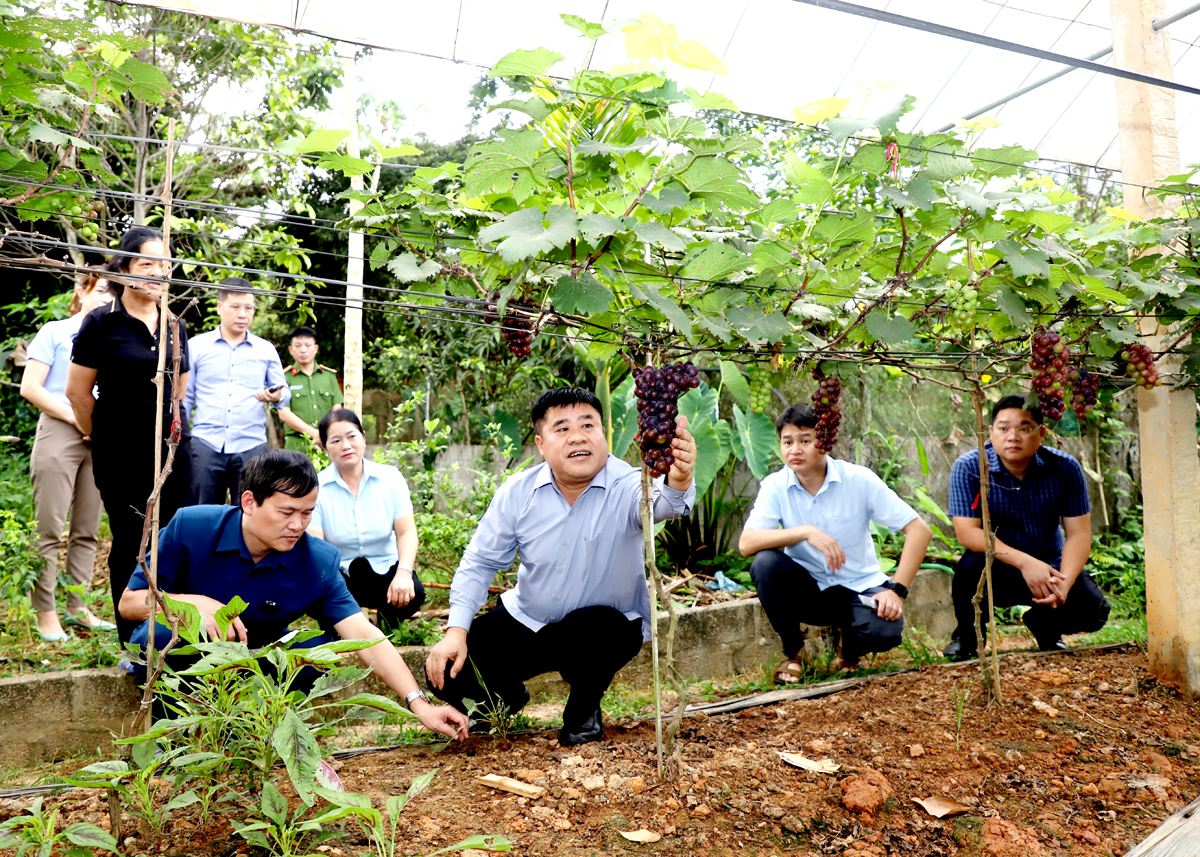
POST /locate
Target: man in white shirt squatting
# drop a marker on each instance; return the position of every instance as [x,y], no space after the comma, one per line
[814,561]
[581,605]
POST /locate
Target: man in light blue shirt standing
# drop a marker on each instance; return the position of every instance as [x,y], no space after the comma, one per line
[581,604]
[233,373]
[814,561]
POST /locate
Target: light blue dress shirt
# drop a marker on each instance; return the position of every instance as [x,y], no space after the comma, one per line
[52,346]
[221,388]
[363,525]
[585,555]
[847,501]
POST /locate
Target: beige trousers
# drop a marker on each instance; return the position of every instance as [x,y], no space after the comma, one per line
[61,466]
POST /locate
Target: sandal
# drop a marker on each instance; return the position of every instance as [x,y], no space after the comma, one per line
[789,672]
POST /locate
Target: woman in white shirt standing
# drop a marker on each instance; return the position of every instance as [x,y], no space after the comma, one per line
[365,510]
[61,466]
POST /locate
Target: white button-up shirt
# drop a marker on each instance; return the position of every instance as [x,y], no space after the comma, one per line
[849,499]
[224,378]
[363,525]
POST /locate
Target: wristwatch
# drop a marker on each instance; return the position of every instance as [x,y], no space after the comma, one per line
[416,694]
[404,568]
[899,588]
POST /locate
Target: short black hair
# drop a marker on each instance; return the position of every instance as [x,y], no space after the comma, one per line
[561,397]
[131,245]
[278,471]
[799,415]
[302,331]
[1018,402]
[337,415]
[234,285]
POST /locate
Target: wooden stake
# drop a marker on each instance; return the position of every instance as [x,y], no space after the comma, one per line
[352,367]
[985,481]
[648,542]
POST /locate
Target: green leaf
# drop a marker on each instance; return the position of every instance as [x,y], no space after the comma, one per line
[534,107]
[928,504]
[341,798]
[535,63]
[395,804]
[526,235]
[225,616]
[506,433]
[667,200]
[509,165]
[758,441]
[146,82]
[39,133]
[407,268]
[890,330]
[815,188]
[655,233]
[1006,161]
[345,164]
[584,295]
[296,746]
[624,417]
[321,140]
[719,180]
[593,227]
[709,457]
[491,842]
[971,198]
[700,404]
[943,166]
[1024,261]
[715,263]
[181,800]
[735,383]
[191,622]
[402,151]
[665,305]
[592,31]
[921,456]
[916,194]
[709,100]
[781,211]
[842,228]
[379,703]
[90,836]
[1012,305]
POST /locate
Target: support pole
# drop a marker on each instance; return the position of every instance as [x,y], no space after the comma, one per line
[352,370]
[1166,419]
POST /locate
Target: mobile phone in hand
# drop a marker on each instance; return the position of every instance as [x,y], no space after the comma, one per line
[274,387]
[868,601]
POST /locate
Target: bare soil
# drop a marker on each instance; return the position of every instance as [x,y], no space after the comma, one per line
[1105,756]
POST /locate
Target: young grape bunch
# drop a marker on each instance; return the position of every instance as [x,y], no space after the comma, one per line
[658,391]
[829,414]
[1052,372]
[1140,366]
[1083,397]
[760,388]
[964,304]
[517,330]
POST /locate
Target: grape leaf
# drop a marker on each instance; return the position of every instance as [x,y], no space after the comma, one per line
[508,165]
[840,228]
[655,233]
[782,211]
[667,200]
[971,198]
[584,295]
[407,268]
[943,166]
[1012,305]
[709,100]
[526,235]
[321,140]
[589,29]
[719,180]
[714,263]
[665,305]
[891,330]
[534,107]
[535,63]
[692,54]
[818,111]
[345,164]
[147,83]
[593,227]
[815,188]
[1006,161]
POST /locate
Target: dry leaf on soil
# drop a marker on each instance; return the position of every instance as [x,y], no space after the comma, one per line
[824,766]
[642,835]
[940,807]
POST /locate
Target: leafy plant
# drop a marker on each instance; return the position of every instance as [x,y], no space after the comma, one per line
[492,710]
[416,632]
[137,784]
[279,831]
[20,567]
[36,830]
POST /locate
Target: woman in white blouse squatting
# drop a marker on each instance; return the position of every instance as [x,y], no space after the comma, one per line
[61,466]
[365,510]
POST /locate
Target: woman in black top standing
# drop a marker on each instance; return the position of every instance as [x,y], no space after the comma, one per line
[117,351]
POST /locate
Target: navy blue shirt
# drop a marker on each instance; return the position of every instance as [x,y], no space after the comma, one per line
[1025,513]
[202,552]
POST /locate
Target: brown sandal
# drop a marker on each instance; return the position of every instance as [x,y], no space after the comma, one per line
[789,672]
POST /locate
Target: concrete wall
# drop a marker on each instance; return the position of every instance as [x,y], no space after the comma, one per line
[55,715]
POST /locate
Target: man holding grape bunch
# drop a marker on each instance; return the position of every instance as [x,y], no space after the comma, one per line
[581,605]
[810,534]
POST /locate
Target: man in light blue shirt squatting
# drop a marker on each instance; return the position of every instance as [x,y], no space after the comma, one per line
[581,604]
[233,373]
[814,561]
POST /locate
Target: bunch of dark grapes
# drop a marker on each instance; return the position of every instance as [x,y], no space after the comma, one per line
[1083,397]
[658,392]
[829,414]
[964,303]
[1140,366]
[1052,372]
[517,330]
[760,387]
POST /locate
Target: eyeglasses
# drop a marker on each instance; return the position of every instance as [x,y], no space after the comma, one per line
[1022,430]
[348,437]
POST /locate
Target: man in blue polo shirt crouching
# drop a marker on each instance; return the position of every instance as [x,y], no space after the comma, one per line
[258,550]
[1031,489]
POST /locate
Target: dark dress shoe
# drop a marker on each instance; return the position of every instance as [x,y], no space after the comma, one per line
[581,733]
[956,651]
[1047,640]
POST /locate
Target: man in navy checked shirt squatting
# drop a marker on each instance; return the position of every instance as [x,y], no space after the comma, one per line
[1031,489]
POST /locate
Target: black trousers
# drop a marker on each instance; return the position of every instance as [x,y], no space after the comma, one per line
[1086,609]
[790,596]
[587,647]
[125,477]
[370,590]
[218,474]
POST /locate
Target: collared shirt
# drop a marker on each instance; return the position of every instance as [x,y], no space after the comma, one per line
[849,499]
[202,552]
[585,555]
[124,352]
[1025,513]
[363,525]
[224,379]
[312,395]
[52,346]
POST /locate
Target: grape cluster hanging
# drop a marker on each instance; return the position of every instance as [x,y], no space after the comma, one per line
[1140,365]
[829,414]
[658,391]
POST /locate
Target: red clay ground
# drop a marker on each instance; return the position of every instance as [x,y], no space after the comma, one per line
[1118,753]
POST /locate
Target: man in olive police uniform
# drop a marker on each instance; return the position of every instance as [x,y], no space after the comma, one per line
[315,390]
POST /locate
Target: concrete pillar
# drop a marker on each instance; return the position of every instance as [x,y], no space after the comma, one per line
[1167,420]
[352,367]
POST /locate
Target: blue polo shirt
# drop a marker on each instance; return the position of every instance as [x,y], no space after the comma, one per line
[1025,513]
[202,552]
